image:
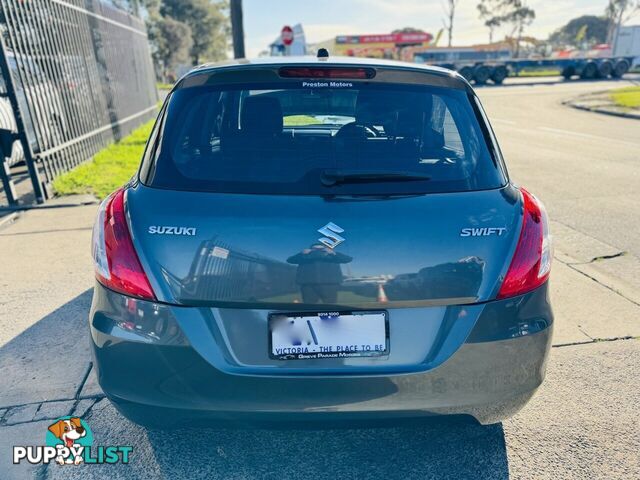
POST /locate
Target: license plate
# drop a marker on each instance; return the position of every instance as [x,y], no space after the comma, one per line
[298,336]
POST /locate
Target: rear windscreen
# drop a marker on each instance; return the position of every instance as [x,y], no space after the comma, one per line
[285,138]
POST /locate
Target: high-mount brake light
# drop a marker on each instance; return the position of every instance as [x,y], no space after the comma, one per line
[327,72]
[116,262]
[531,262]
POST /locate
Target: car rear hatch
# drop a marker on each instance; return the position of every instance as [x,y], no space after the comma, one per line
[263,251]
[424,266]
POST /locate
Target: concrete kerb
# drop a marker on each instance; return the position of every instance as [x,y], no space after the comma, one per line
[599,102]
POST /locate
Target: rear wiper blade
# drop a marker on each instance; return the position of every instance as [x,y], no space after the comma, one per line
[337,176]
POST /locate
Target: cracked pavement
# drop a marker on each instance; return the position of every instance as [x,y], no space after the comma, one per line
[582,423]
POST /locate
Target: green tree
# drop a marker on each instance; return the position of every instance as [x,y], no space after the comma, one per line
[492,24]
[209,25]
[151,6]
[520,17]
[595,31]
[184,31]
[513,13]
[617,13]
[172,43]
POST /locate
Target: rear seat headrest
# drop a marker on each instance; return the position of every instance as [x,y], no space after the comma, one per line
[408,123]
[261,115]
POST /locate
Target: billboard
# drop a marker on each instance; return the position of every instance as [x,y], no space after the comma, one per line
[387,45]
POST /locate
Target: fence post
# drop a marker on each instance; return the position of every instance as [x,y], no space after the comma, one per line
[7,183]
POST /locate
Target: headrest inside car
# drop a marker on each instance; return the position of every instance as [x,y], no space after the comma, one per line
[261,115]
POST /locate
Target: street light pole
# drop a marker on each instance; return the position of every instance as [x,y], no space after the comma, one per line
[237,29]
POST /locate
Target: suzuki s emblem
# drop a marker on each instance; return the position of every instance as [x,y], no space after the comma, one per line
[331,238]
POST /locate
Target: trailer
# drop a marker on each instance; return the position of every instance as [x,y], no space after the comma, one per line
[481,72]
[627,41]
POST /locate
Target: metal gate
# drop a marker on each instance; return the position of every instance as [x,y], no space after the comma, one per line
[76,75]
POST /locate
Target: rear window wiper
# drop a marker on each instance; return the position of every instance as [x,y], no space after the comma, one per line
[333,177]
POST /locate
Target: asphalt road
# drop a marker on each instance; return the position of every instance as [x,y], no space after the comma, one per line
[583,422]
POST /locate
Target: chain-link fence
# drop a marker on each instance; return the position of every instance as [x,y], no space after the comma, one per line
[76,75]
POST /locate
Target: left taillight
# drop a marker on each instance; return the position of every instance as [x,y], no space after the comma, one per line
[116,262]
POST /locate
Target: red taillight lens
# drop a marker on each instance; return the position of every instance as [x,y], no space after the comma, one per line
[531,261]
[327,72]
[116,262]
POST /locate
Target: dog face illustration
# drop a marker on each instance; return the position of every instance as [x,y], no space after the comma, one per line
[68,430]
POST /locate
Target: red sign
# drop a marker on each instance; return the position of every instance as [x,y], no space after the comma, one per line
[287,35]
[396,38]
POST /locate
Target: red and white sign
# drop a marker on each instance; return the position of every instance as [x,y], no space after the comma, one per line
[287,35]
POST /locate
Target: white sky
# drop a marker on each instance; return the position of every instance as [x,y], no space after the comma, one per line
[324,19]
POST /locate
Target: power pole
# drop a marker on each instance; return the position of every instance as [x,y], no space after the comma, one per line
[237,29]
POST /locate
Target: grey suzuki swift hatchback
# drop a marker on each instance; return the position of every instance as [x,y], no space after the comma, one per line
[320,239]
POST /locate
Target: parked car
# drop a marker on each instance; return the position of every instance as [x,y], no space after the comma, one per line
[40,105]
[320,239]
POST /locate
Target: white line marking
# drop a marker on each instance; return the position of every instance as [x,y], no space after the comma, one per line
[559,131]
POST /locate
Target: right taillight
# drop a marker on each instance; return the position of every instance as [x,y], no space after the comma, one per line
[531,261]
[115,259]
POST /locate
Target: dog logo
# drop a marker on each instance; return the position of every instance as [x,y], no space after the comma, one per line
[70,436]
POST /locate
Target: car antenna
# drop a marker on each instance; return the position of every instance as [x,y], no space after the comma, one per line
[323,53]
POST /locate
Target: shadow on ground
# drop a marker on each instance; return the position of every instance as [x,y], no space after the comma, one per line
[424,450]
[50,359]
[421,451]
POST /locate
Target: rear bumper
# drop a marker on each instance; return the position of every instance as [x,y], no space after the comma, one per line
[153,372]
